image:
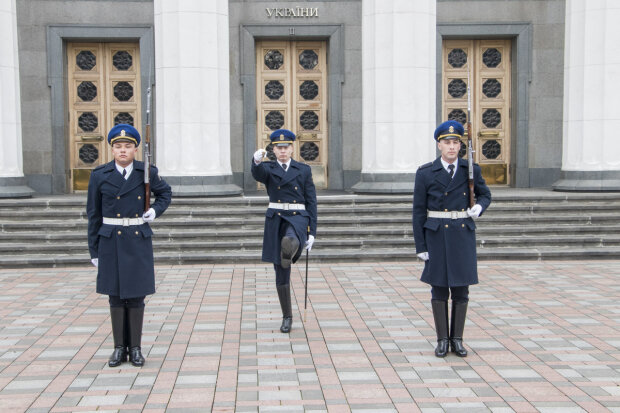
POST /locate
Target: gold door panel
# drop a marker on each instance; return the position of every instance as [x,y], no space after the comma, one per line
[104,90]
[486,65]
[291,94]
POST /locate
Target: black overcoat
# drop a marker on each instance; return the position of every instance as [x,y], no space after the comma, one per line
[450,243]
[125,253]
[294,186]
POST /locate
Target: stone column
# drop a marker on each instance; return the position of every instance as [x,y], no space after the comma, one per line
[590,153]
[192,97]
[12,180]
[398,81]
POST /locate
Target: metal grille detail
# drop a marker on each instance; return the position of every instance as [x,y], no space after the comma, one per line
[308,90]
[458,115]
[492,57]
[274,120]
[309,120]
[88,153]
[86,60]
[270,155]
[491,118]
[491,149]
[309,151]
[463,150]
[88,121]
[457,58]
[491,88]
[274,90]
[308,59]
[274,59]
[457,88]
[123,117]
[122,60]
[123,91]
[87,91]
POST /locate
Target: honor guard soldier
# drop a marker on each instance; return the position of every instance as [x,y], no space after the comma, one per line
[290,220]
[119,239]
[444,233]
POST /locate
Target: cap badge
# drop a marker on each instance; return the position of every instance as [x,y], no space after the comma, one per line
[122,132]
[451,129]
[282,137]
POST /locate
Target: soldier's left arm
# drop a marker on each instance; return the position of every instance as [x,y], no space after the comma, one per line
[94,212]
[481,190]
[162,191]
[310,200]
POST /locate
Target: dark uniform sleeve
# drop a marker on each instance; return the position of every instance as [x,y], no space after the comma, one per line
[162,191]
[259,172]
[93,211]
[310,199]
[419,211]
[481,190]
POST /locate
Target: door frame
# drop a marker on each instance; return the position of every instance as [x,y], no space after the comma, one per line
[57,38]
[333,34]
[521,76]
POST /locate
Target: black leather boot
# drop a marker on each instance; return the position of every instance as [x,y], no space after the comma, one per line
[440,314]
[459,314]
[288,249]
[117,315]
[136,317]
[284,294]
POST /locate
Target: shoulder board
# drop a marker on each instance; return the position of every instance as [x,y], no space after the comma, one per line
[426,165]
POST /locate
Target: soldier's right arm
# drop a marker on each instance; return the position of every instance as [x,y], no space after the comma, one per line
[260,172]
[93,211]
[419,211]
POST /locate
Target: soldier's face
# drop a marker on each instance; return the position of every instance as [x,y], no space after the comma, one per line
[449,149]
[124,152]
[283,153]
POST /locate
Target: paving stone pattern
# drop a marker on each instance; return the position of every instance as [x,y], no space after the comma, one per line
[543,337]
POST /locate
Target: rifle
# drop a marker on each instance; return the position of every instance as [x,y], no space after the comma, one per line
[147,150]
[306,286]
[470,148]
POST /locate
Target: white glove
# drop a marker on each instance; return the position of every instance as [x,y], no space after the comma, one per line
[149,216]
[258,155]
[474,212]
[95,261]
[423,256]
[309,242]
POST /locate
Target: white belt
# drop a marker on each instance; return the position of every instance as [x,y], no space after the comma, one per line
[123,221]
[285,206]
[447,214]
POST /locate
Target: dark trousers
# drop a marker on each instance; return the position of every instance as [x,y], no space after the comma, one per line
[116,301]
[283,275]
[459,294]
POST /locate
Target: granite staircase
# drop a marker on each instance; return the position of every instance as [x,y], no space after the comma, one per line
[519,225]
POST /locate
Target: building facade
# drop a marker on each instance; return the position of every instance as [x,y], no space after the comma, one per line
[362,83]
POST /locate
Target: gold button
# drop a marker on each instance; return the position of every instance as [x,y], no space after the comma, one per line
[278,200]
[119,233]
[118,197]
[295,188]
[139,197]
[278,187]
[446,225]
[294,201]
[463,225]
[446,194]
[279,213]
[136,232]
[464,194]
[118,215]
[446,210]
[136,214]
[462,210]
[294,213]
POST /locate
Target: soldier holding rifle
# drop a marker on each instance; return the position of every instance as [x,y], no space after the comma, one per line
[291,217]
[119,238]
[444,233]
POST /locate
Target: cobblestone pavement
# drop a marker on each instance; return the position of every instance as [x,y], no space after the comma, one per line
[542,337]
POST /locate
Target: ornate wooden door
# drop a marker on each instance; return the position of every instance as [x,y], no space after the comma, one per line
[488,64]
[291,93]
[103,90]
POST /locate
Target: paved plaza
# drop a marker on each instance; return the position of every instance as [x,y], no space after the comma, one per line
[543,336]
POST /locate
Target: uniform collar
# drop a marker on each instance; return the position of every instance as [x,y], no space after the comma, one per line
[288,164]
[445,164]
[128,168]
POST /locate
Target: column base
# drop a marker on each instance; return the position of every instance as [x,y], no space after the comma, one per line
[203,186]
[15,187]
[588,181]
[385,183]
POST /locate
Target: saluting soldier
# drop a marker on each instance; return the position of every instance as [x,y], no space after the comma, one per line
[119,239]
[291,217]
[445,236]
